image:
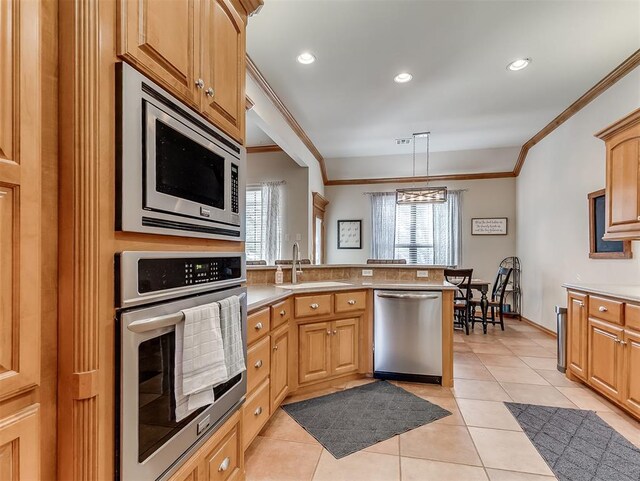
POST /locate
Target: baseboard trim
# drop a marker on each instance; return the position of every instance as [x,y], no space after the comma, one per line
[547,331]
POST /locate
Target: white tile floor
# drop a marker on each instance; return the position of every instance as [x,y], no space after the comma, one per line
[480,441]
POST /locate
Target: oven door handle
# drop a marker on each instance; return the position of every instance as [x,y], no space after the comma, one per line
[152,323]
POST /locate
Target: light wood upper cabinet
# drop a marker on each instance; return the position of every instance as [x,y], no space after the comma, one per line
[223,66]
[161,37]
[344,346]
[622,141]
[193,48]
[606,361]
[631,376]
[577,335]
[314,351]
[279,366]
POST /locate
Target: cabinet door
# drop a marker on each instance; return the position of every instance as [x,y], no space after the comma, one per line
[631,375]
[605,358]
[344,346]
[223,66]
[20,446]
[161,38]
[577,334]
[623,161]
[279,366]
[314,351]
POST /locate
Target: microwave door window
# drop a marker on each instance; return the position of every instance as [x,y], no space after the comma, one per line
[187,170]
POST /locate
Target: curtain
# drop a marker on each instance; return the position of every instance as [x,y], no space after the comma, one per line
[447,229]
[383,225]
[272,220]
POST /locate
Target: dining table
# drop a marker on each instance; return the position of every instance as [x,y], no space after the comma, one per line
[482,287]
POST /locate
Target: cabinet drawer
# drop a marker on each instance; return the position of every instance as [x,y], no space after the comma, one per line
[258,324]
[632,316]
[224,463]
[308,306]
[258,363]
[351,301]
[280,313]
[256,413]
[605,309]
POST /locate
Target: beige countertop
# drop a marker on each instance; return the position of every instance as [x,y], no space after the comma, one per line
[358,266]
[621,291]
[259,295]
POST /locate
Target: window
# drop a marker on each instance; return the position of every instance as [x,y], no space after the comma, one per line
[414,233]
[255,225]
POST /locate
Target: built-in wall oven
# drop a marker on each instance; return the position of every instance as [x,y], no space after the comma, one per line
[178,174]
[153,289]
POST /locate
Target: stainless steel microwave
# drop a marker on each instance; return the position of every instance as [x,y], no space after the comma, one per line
[177,173]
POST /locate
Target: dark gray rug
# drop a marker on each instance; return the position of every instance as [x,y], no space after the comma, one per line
[354,419]
[578,445]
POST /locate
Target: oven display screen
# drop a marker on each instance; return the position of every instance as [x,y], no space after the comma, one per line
[198,268]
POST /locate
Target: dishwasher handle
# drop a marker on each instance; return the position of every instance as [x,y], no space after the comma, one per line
[391,295]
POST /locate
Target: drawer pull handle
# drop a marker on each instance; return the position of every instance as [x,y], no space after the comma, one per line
[351,302]
[259,326]
[283,313]
[275,348]
[224,465]
[258,411]
[258,364]
[602,309]
[314,306]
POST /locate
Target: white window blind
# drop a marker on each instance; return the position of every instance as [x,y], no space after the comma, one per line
[414,233]
[255,225]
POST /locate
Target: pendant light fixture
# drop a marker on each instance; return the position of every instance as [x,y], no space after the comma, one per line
[426,194]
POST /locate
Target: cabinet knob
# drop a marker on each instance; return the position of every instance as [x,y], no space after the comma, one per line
[328,331]
[639,217]
[283,313]
[275,348]
[351,302]
[335,332]
[581,304]
[259,326]
[602,309]
[258,364]
[314,306]
[258,411]
[224,465]
[200,83]
[209,92]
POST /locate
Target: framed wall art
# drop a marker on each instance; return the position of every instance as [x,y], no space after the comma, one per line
[489,226]
[349,234]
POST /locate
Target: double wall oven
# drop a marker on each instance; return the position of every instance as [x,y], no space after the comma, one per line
[177,173]
[153,288]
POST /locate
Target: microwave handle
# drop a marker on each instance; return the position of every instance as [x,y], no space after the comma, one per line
[146,325]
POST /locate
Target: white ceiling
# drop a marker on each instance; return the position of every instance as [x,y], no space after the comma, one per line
[457,52]
[255,135]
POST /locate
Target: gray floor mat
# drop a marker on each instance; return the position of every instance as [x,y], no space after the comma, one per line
[577,444]
[354,419]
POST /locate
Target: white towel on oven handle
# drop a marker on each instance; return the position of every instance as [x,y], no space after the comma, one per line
[231,327]
[199,358]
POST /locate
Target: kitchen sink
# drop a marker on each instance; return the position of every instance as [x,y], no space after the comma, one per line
[312,285]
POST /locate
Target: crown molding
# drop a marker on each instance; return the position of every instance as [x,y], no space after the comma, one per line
[404,180]
[258,149]
[616,74]
[256,75]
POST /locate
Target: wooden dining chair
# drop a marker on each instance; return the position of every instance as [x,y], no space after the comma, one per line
[497,299]
[461,278]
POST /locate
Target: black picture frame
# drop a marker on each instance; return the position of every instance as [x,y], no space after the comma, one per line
[341,239]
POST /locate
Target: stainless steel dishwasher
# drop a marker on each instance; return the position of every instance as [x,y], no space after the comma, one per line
[407,329]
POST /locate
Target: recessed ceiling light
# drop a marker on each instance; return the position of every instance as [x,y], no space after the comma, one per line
[306,58]
[403,77]
[519,64]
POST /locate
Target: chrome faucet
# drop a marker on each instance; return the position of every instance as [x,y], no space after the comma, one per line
[296,259]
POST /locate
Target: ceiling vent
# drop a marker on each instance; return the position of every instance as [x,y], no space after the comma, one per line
[403,141]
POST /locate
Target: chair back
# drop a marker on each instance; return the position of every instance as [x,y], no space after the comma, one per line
[386,261]
[462,279]
[500,284]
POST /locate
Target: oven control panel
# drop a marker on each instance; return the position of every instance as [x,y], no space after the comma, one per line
[170,273]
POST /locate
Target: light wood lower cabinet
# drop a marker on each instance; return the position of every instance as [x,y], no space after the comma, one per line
[631,373]
[605,358]
[256,412]
[327,349]
[577,335]
[279,366]
[19,446]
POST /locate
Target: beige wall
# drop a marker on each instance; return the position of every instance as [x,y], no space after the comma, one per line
[552,209]
[483,198]
[275,166]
